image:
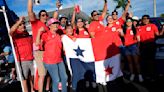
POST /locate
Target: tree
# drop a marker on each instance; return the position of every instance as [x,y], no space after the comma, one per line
[120,4]
[162,15]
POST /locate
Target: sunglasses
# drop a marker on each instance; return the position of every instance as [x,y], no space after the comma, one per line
[145,18]
[114,14]
[23,23]
[80,21]
[95,14]
[43,15]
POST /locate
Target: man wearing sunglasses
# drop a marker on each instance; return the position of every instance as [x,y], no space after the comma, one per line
[147,33]
[97,21]
[38,50]
[120,21]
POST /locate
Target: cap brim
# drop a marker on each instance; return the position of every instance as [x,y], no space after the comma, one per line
[62,17]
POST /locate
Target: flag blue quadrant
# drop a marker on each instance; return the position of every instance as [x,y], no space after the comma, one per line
[2,3]
[82,71]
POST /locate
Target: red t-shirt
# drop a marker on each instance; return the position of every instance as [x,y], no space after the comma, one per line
[82,34]
[147,32]
[129,38]
[105,45]
[23,46]
[119,22]
[53,48]
[36,25]
[96,26]
[113,30]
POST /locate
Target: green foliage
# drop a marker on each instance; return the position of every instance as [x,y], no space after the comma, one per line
[120,4]
[162,15]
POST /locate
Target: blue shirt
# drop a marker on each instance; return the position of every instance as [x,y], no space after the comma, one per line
[10,57]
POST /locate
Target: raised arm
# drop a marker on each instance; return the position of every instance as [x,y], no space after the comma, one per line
[31,14]
[126,10]
[16,25]
[38,37]
[58,5]
[104,9]
[73,18]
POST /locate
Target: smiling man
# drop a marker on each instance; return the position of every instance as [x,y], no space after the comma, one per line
[97,21]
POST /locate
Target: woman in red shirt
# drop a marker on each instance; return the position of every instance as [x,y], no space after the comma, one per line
[131,49]
[52,56]
[81,31]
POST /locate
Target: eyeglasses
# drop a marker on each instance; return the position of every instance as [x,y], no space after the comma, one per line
[80,21]
[114,14]
[145,18]
[23,23]
[95,14]
[43,15]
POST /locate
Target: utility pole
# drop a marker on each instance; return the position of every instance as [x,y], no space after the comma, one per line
[154,4]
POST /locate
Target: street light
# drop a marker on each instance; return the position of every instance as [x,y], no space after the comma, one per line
[154,4]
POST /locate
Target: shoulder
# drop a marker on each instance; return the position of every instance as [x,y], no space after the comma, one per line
[35,22]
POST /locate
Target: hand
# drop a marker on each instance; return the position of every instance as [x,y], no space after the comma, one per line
[74,39]
[21,19]
[128,1]
[58,4]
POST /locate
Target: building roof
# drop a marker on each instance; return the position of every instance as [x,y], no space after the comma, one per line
[68,13]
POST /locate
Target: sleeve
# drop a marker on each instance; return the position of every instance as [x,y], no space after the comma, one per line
[117,40]
[92,27]
[155,29]
[121,21]
[34,23]
[100,18]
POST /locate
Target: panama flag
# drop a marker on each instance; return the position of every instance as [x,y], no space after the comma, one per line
[97,55]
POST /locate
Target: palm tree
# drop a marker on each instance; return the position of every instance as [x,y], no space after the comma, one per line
[120,4]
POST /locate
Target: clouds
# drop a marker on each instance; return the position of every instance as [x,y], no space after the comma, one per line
[139,7]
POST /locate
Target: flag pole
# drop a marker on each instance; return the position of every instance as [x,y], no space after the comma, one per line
[12,45]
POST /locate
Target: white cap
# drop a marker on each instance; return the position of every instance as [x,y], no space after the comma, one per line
[135,18]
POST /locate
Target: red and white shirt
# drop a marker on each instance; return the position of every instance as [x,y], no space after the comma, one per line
[53,48]
[119,22]
[36,25]
[147,32]
[23,46]
[129,38]
[82,34]
[96,26]
[114,31]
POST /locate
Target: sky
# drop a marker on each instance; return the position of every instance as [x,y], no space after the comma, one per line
[139,7]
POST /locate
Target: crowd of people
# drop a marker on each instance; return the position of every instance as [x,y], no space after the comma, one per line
[134,37]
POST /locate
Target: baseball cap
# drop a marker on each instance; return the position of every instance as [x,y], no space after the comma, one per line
[129,20]
[62,16]
[135,18]
[52,20]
